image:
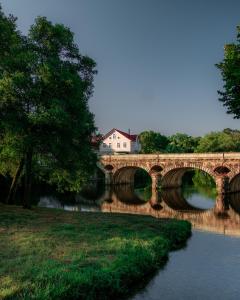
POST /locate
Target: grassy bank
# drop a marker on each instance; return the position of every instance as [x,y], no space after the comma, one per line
[52,254]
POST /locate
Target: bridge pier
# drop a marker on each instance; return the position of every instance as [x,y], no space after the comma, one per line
[155,181]
[222,184]
[221,205]
[155,196]
[108,177]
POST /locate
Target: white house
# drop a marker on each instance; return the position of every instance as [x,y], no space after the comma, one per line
[117,141]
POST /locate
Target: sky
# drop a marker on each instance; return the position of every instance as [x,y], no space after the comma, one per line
[155,58]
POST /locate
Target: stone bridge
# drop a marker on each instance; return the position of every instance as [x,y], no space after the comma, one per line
[168,169]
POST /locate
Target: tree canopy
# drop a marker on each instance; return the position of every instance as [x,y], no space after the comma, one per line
[230,71]
[45,122]
[182,143]
[152,142]
[225,141]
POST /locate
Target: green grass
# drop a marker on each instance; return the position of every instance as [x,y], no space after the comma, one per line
[52,254]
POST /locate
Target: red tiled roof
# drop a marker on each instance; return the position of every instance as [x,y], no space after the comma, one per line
[131,137]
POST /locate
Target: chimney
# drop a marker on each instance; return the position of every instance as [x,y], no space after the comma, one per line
[129,132]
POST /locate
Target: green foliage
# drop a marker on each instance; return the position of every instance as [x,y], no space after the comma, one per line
[200,182]
[144,193]
[152,142]
[230,71]
[45,84]
[225,141]
[52,254]
[182,143]
[204,184]
[141,178]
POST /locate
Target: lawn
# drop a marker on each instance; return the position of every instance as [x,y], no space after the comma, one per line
[53,254]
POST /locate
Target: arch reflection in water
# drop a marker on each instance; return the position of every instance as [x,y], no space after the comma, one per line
[223,218]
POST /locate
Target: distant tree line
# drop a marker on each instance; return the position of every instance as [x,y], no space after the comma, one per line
[227,140]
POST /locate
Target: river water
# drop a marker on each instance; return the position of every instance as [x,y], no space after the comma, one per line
[208,267]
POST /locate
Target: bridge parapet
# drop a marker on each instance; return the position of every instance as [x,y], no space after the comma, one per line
[228,155]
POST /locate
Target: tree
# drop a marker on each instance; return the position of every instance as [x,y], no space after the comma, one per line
[182,143]
[44,107]
[230,71]
[152,142]
[218,142]
[10,48]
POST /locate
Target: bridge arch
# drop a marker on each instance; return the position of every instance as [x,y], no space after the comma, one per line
[172,177]
[155,169]
[126,174]
[108,167]
[222,170]
[234,184]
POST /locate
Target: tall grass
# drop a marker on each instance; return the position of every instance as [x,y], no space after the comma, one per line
[52,254]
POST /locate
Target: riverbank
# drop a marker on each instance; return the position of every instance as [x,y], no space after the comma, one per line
[53,254]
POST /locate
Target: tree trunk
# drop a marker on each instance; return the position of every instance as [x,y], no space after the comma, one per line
[14,184]
[28,179]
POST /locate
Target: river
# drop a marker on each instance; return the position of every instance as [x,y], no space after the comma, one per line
[208,267]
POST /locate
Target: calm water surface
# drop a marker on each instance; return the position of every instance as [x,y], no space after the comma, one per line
[209,266]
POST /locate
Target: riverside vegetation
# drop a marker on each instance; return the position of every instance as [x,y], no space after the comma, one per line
[53,254]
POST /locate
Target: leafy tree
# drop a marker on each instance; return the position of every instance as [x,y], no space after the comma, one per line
[44,117]
[230,71]
[182,143]
[10,48]
[152,142]
[218,142]
[203,179]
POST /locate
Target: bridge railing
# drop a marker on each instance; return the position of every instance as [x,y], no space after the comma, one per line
[218,156]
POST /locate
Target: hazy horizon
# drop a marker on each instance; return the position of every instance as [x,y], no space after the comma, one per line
[155,59]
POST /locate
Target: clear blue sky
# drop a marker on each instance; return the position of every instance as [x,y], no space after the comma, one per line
[155,58]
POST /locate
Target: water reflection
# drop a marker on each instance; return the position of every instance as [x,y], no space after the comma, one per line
[81,204]
[223,216]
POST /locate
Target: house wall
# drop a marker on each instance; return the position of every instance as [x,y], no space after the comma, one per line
[114,139]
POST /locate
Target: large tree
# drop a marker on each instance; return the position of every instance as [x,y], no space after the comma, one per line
[219,142]
[44,115]
[230,70]
[182,143]
[152,142]
[10,61]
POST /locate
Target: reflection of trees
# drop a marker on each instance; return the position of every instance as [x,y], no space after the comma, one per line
[144,193]
[141,179]
[200,182]
[93,191]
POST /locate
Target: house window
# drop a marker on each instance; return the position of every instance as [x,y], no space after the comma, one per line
[114,136]
[124,145]
[110,138]
[109,145]
[118,145]
[104,145]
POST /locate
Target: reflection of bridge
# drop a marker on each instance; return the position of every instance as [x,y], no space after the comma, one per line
[223,218]
[170,168]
